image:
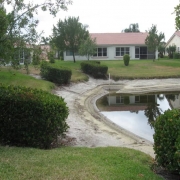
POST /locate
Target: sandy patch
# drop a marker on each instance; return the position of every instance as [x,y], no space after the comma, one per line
[88,128]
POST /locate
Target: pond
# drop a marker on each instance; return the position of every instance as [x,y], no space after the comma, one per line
[137,113]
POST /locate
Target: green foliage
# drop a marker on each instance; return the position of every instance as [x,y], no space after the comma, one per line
[31,117]
[88,47]
[51,57]
[177,18]
[126,59]
[176,55]
[153,40]
[20,25]
[94,69]
[161,50]
[69,34]
[171,50]
[132,28]
[166,140]
[59,75]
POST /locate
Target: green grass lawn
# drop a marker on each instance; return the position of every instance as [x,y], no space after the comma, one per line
[13,77]
[70,163]
[163,68]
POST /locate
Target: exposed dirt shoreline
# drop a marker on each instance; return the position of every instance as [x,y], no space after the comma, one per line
[89,128]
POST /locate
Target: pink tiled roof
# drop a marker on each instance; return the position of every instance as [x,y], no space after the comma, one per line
[119,38]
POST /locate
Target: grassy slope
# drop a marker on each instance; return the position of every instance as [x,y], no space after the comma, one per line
[75,163]
[16,78]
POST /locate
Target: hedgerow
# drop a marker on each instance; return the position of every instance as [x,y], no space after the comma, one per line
[57,75]
[167,140]
[94,69]
[31,117]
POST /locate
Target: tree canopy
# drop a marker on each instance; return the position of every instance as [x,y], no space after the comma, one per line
[69,34]
[19,24]
[132,28]
[177,18]
[88,47]
[154,39]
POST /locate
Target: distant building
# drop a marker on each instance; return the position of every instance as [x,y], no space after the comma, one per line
[112,46]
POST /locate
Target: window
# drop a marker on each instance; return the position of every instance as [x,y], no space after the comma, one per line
[120,51]
[100,52]
[119,100]
[137,99]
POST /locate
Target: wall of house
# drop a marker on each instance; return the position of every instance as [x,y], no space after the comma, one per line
[111,54]
[175,41]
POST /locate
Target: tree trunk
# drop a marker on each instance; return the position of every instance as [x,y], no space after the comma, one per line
[74,57]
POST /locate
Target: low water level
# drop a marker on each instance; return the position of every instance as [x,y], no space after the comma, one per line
[136,113]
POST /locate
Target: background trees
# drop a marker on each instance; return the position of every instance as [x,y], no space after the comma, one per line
[19,24]
[132,28]
[153,39]
[88,47]
[69,34]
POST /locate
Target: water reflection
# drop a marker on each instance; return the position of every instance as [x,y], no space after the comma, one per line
[137,113]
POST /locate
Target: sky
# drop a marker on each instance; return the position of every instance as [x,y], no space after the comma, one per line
[115,15]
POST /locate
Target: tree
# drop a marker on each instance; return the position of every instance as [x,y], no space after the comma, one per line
[22,23]
[153,40]
[177,18]
[88,47]
[69,35]
[161,49]
[132,28]
[171,50]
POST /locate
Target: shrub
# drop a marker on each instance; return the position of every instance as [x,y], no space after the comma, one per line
[176,55]
[31,117]
[51,57]
[167,140]
[57,75]
[126,59]
[94,69]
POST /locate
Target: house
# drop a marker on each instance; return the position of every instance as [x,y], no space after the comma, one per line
[174,40]
[112,46]
[45,48]
[133,103]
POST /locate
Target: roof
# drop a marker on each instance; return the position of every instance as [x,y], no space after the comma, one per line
[177,33]
[119,38]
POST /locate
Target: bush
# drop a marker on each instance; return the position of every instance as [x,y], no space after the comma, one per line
[126,59]
[31,117]
[94,69]
[51,57]
[167,140]
[176,55]
[57,75]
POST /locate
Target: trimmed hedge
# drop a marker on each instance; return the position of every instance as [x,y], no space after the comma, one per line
[167,140]
[57,75]
[94,69]
[126,59]
[31,117]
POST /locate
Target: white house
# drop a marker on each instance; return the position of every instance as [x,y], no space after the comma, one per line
[174,40]
[112,46]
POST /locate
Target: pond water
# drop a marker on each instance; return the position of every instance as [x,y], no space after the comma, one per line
[136,113]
